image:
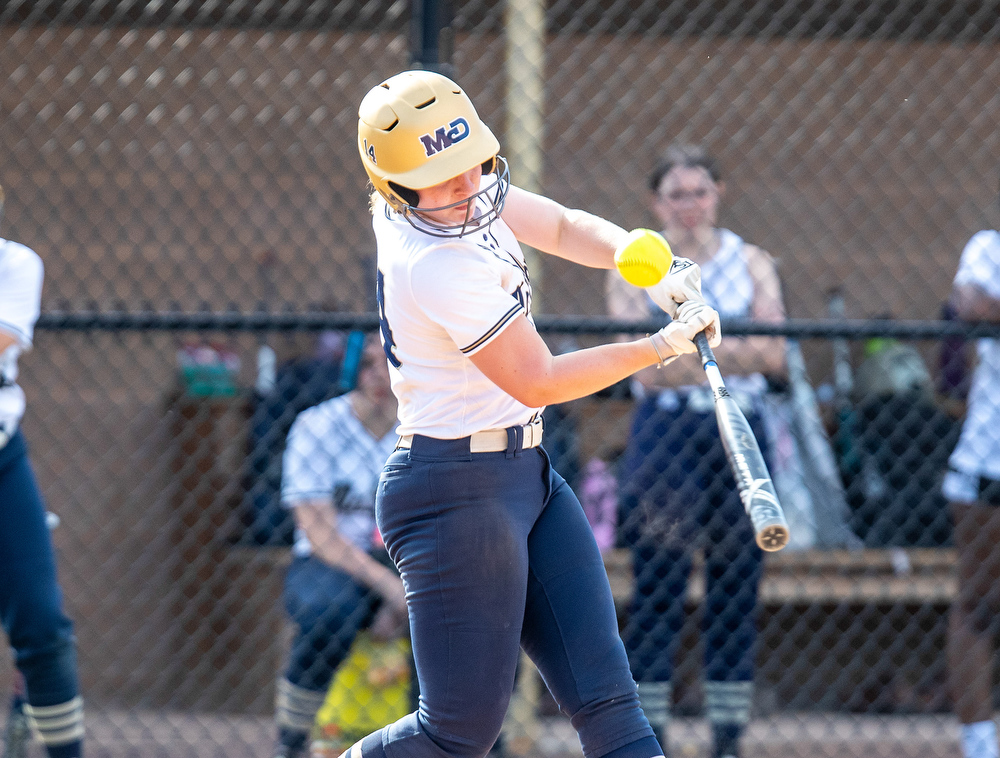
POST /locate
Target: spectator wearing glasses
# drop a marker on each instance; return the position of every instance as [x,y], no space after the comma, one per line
[677,492]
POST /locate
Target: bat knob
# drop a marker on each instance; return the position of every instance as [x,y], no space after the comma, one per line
[772,538]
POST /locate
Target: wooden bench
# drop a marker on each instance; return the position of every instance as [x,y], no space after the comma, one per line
[867,576]
[891,575]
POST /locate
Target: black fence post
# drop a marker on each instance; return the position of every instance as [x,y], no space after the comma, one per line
[432,39]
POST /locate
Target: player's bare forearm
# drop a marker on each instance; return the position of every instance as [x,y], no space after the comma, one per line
[748,355]
[568,233]
[519,362]
[972,303]
[587,371]
[317,518]
[739,355]
[589,240]
[6,340]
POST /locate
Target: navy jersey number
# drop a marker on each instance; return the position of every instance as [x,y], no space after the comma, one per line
[523,297]
[388,343]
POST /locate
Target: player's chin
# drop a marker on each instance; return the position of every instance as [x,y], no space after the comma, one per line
[451,217]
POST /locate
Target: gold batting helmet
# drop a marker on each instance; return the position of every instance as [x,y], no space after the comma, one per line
[418,129]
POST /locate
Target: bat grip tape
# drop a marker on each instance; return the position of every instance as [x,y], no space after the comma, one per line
[704,349]
[709,364]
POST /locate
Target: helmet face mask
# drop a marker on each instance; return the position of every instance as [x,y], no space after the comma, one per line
[483,208]
[418,129]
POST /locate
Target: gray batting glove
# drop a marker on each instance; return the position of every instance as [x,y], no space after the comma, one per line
[698,311]
[681,283]
[692,317]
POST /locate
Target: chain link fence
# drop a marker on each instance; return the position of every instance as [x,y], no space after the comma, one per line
[189,175]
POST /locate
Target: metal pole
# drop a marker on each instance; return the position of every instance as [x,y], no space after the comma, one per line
[432,40]
[524,22]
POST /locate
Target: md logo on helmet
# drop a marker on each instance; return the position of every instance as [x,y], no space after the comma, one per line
[445,136]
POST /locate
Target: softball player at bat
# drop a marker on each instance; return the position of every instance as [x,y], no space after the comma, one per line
[493,547]
[30,598]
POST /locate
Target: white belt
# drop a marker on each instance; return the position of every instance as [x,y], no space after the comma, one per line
[493,440]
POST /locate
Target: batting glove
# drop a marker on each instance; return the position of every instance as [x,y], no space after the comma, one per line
[692,317]
[697,312]
[681,283]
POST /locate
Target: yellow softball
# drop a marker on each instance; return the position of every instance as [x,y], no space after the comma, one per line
[644,258]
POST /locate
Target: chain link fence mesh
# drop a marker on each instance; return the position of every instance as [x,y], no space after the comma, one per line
[197,156]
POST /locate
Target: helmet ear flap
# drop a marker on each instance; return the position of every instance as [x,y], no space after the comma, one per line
[490,166]
[410,197]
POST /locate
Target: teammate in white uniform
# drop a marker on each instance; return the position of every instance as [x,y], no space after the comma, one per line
[30,598]
[337,583]
[973,487]
[493,547]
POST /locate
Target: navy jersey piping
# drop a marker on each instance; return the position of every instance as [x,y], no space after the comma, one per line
[518,308]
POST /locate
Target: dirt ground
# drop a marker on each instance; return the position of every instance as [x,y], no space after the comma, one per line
[138,734]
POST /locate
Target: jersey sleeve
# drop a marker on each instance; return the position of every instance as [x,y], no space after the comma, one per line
[464,294]
[980,263]
[307,466]
[21,274]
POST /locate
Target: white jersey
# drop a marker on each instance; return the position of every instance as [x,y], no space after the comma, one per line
[21,274]
[441,301]
[978,448]
[331,455]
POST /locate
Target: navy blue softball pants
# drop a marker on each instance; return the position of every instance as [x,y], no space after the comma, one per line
[678,494]
[30,599]
[495,553]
